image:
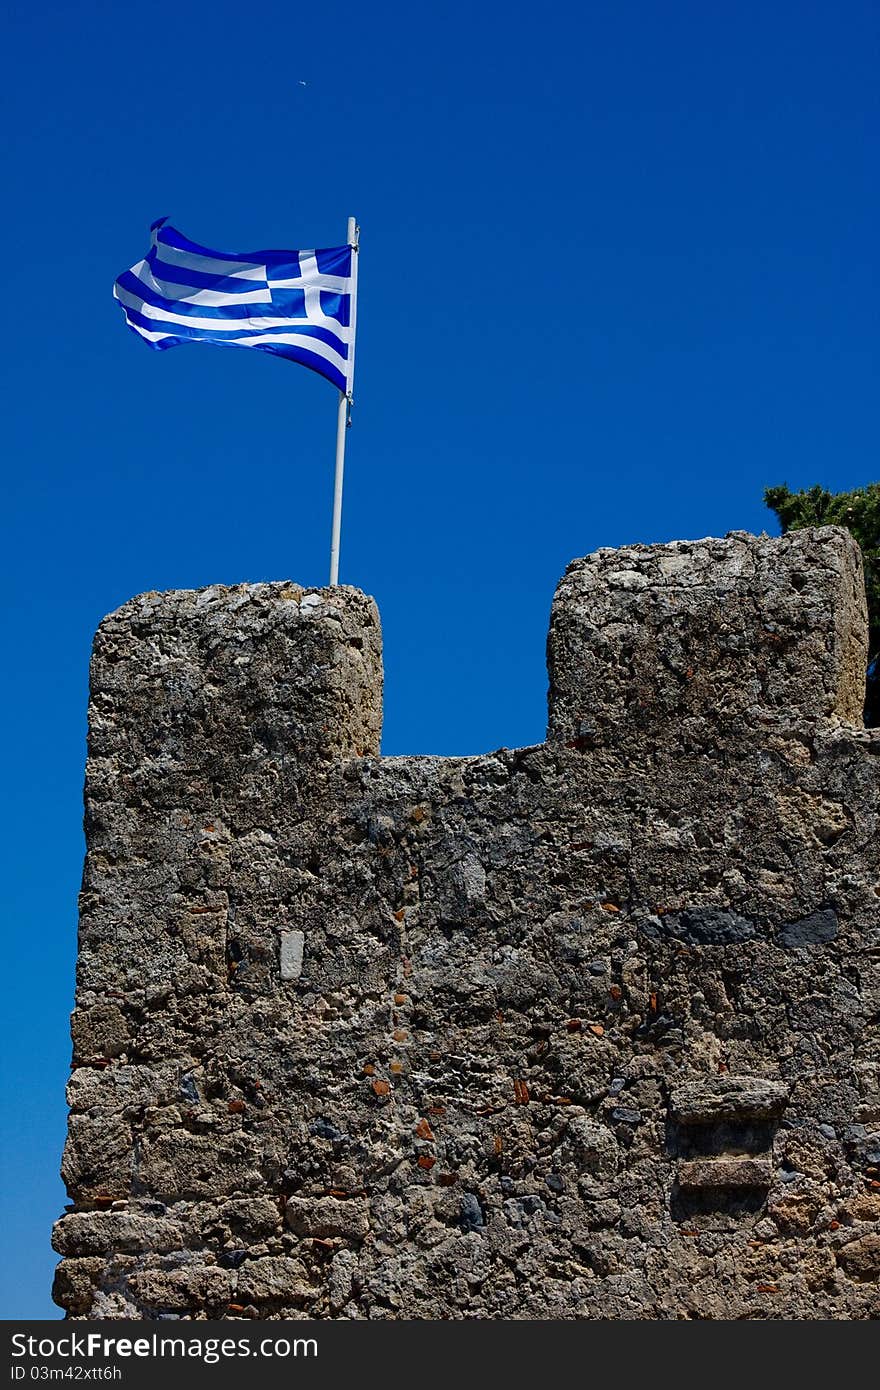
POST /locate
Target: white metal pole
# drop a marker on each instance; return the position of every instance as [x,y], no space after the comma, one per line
[343,418]
[341,425]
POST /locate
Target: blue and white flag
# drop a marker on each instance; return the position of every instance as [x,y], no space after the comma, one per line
[297,304]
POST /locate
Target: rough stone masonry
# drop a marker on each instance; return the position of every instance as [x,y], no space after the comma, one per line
[584,1030]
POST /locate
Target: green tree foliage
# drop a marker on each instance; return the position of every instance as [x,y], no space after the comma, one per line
[859,511]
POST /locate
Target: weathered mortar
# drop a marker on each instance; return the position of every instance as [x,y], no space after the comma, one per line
[582,1030]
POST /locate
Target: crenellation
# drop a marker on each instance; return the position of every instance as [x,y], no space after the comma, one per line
[715,638]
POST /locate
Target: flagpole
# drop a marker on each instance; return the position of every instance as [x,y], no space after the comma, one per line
[343,410]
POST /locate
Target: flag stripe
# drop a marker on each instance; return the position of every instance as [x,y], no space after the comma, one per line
[171,238]
[132,293]
[293,351]
[249,293]
[302,355]
[210,265]
[147,318]
[202,280]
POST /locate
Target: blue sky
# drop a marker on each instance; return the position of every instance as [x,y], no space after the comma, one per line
[618,274]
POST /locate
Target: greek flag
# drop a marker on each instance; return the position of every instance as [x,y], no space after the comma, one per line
[297,304]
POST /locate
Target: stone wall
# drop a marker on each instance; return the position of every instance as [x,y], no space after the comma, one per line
[584,1030]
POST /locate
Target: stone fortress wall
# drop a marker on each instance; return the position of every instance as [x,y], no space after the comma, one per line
[584,1030]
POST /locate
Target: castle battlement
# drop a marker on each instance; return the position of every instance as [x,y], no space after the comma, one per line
[581,1030]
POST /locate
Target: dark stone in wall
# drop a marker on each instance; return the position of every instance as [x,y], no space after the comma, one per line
[704,926]
[812,930]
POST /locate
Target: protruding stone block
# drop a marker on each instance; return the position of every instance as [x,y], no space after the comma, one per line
[729,634]
[724,1098]
[325,1217]
[726,1173]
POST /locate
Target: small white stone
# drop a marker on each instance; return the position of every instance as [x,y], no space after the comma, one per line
[291,954]
[309,601]
[627,579]
[470,880]
[673,564]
